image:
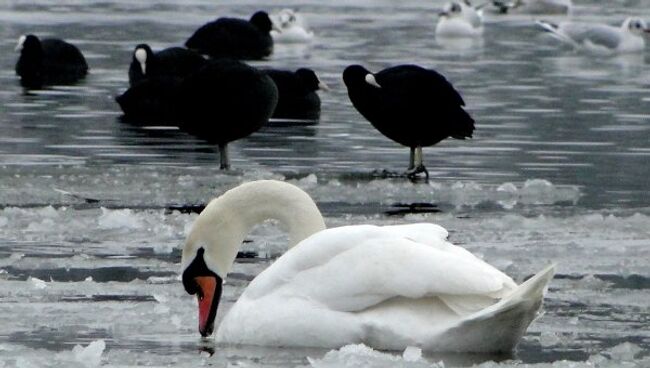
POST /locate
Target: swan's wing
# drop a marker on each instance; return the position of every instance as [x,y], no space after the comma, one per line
[384,268]
[321,247]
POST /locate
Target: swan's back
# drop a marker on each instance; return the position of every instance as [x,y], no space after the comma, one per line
[388,287]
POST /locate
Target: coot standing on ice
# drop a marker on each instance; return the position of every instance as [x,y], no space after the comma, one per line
[226,100]
[48,61]
[411,105]
[297,93]
[170,62]
[235,38]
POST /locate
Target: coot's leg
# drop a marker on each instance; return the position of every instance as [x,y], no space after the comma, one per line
[416,165]
[223,155]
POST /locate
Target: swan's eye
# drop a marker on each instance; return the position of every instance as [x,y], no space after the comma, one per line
[292,18]
[455,8]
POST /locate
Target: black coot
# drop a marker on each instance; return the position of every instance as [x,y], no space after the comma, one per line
[235,38]
[170,62]
[152,101]
[226,100]
[48,61]
[411,105]
[297,94]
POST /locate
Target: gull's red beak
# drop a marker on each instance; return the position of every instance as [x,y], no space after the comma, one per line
[208,296]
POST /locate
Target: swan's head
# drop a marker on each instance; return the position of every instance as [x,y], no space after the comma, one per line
[216,235]
[208,254]
[200,280]
[636,26]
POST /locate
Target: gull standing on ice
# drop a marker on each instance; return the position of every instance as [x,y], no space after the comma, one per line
[601,37]
[558,7]
[459,19]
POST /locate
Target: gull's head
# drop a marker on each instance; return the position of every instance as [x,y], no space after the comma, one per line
[451,10]
[636,26]
[286,18]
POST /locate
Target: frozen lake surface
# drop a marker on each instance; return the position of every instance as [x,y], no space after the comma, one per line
[557,172]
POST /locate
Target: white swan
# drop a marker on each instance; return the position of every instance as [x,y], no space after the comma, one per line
[629,37]
[459,19]
[387,287]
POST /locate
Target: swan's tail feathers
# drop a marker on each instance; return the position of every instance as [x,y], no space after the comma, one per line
[499,327]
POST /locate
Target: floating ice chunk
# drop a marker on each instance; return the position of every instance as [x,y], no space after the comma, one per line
[507,187]
[160,298]
[116,219]
[361,356]
[91,355]
[307,181]
[549,338]
[162,280]
[37,283]
[625,352]
[412,354]
[592,282]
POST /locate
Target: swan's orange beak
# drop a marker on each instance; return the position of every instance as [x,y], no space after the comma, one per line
[208,296]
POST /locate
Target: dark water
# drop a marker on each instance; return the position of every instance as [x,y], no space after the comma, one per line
[543,111]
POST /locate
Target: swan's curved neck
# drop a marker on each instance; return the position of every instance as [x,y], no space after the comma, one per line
[223,224]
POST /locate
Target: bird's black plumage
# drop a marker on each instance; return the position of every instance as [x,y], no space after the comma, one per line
[411,105]
[49,61]
[171,62]
[297,94]
[153,100]
[226,100]
[234,38]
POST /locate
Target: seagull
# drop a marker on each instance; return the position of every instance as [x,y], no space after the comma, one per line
[601,37]
[460,19]
[290,28]
[560,7]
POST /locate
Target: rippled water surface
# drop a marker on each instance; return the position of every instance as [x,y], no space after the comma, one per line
[557,171]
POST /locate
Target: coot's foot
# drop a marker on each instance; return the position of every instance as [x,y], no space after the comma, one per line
[413,173]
